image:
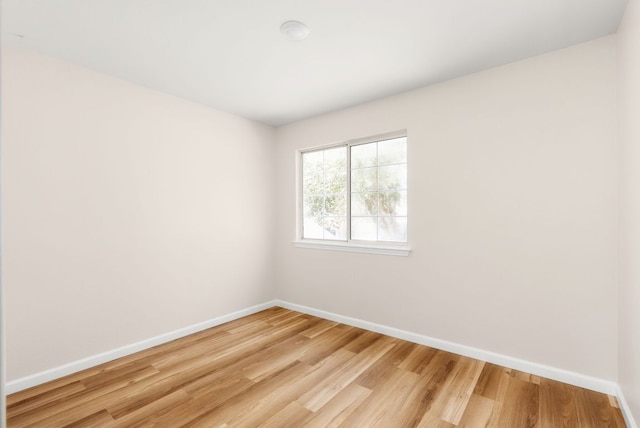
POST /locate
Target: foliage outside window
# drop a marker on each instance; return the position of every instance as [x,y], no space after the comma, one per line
[356,191]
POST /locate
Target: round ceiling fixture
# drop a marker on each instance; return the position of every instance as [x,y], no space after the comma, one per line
[294,30]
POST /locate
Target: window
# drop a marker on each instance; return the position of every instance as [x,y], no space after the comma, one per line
[356,192]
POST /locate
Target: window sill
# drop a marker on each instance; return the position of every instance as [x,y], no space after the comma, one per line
[391,250]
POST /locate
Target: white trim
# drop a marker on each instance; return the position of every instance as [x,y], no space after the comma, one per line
[626,410]
[352,247]
[561,375]
[94,360]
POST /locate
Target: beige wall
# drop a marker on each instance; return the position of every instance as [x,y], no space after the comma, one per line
[126,213]
[512,213]
[629,307]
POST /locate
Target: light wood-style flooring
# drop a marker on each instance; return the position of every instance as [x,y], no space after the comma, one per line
[281,368]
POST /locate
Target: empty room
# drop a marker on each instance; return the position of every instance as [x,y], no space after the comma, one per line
[418,213]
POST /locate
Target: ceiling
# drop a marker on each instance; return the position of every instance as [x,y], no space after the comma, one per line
[230,54]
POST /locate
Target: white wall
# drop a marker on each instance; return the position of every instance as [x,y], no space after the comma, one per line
[512,213]
[127,213]
[629,306]
[120,222]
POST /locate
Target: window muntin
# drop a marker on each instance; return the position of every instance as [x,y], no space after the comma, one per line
[368,204]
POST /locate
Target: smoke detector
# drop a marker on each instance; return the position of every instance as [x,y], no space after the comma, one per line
[294,30]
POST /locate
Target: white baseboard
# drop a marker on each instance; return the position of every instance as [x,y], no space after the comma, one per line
[626,410]
[92,361]
[572,378]
[560,375]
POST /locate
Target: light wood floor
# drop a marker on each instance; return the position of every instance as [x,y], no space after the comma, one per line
[280,368]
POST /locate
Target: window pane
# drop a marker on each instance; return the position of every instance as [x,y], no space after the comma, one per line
[392,151]
[312,228]
[313,206]
[364,228]
[364,155]
[392,229]
[364,179]
[312,183]
[324,190]
[335,228]
[393,203]
[312,158]
[335,205]
[335,182]
[378,186]
[364,204]
[335,160]
[312,172]
[392,177]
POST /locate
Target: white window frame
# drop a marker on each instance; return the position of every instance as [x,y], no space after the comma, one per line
[373,247]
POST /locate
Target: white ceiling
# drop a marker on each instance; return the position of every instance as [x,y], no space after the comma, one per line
[229,54]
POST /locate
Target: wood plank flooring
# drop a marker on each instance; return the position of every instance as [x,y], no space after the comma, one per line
[281,368]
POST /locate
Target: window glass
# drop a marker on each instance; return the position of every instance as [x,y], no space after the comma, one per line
[356,192]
